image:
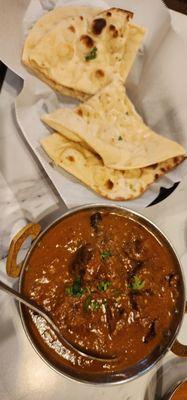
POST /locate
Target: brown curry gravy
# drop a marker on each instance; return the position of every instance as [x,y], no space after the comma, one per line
[109,285]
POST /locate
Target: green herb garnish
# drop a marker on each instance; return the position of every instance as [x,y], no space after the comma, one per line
[104,285]
[120,138]
[87,303]
[76,289]
[94,305]
[132,187]
[69,291]
[137,284]
[106,254]
[92,54]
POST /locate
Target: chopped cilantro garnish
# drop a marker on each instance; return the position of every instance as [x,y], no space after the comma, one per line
[120,138]
[106,254]
[87,302]
[87,289]
[92,54]
[90,303]
[104,285]
[94,305]
[69,290]
[137,283]
[76,289]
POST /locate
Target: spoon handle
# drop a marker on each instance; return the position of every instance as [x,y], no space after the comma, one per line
[29,303]
[32,305]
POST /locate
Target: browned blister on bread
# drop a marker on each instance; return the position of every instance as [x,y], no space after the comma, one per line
[68,54]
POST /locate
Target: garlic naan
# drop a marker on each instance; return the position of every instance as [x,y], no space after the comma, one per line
[81,54]
[44,25]
[89,169]
[109,124]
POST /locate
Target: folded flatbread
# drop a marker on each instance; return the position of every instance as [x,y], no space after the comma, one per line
[44,25]
[89,169]
[109,124]
[80,53]
[49,21]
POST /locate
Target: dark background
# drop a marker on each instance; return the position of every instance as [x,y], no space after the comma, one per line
[177,5]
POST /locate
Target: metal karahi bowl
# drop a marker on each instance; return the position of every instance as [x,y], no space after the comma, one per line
[143,365]
[179,390]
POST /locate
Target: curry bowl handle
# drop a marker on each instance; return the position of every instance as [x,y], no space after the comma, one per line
[178,348]
[13,269]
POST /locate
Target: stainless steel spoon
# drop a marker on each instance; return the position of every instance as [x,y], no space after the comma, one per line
[39,310]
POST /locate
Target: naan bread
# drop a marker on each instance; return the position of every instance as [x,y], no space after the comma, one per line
[61,89]
[49,21]
[89,169]
[46,23]
[109,124]
[61,55]
[133,44]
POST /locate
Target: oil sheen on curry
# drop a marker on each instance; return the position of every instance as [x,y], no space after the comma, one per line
[109,285]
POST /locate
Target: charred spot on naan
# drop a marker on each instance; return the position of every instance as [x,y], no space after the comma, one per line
[72,28]
[86,112]
[98,25]
[99,73]
[129,14]
[154,166]
[87,41]
[79,112]
[109,184]
[178,159]
[71,158]
[113,31]
[99,77]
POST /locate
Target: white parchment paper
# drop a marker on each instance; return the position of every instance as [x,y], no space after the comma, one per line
[157,85]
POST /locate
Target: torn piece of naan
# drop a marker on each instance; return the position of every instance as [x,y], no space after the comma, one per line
[89,169]
[109,124]
[82,52]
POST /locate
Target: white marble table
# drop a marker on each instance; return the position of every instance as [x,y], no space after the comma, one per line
[27,195]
